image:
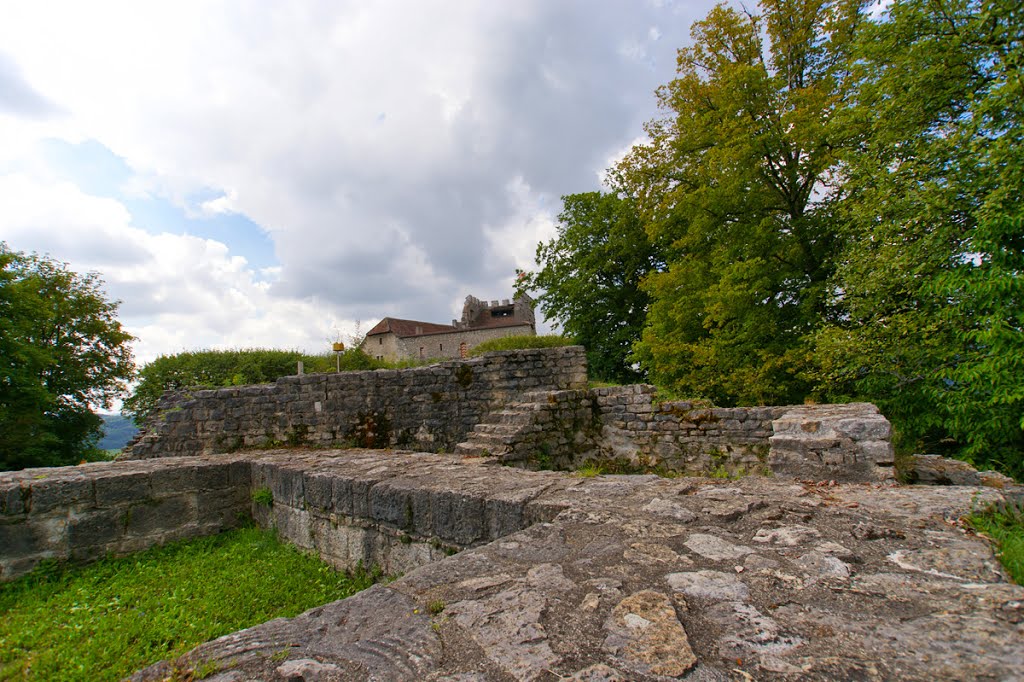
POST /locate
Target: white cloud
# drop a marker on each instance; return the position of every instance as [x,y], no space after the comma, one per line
[178,291]
[512,244]
[375,143]
[225,203]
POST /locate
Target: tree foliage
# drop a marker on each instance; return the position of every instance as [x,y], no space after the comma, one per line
[220,368]
[735,180]
[62,354]
[590,279]
[929,288]
[832,203]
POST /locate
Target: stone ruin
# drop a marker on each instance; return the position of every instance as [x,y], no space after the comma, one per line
[515,574]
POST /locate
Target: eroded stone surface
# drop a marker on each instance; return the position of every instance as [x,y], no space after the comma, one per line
[647,637]
[508,627]
[815,582]
[715,548]
[709,585]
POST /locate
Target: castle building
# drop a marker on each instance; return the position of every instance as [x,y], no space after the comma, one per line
[394,339]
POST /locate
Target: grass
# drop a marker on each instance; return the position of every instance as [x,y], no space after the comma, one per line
[108,619]
[589,470]
[263,496]
[1004,525]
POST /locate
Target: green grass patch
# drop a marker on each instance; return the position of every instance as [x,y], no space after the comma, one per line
[263,496]
[1004,525]
[520,342]
[108,619]
[589,470]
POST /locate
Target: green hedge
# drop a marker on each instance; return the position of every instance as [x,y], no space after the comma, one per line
[520,342]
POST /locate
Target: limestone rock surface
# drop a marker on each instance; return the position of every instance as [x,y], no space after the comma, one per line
[608,578]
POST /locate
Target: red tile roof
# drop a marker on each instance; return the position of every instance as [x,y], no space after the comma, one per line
[407,328]
[402,328]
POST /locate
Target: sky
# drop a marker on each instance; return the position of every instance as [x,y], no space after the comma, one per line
[284,175]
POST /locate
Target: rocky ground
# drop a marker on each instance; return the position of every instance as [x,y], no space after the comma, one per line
[643,578]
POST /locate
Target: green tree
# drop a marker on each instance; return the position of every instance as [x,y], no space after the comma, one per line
[220,368]
[590,277]
[736,181]
[62,353]
[929,289]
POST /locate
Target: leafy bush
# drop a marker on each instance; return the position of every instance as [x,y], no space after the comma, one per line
[219,368]
[520,342]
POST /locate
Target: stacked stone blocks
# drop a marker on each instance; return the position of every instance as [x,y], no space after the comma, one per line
[425,408]
[86,512]
[366,507]
[625,428]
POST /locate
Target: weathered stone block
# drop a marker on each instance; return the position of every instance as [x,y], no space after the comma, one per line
[96,528]
[293,525]
[879,452]
[286,485]
[152,517]
[11,499]
[23,539]
[392,506]
[47,495]
[458,518]
[172,480]
[222,508]
[319,490]
[117,488]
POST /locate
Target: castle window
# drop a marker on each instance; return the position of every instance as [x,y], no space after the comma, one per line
[440,347]
[380,341]
[421,352]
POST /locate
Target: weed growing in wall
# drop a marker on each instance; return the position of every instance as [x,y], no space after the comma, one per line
[263,496]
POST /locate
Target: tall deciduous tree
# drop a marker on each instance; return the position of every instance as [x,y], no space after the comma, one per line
[930,287]
[590,278]
[62,352]
[736,180]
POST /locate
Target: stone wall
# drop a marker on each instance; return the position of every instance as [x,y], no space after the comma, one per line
[86,512]
[424,408]
[624,428]
[442,345]
[377,509]
[683,436]
[528,408]
[392,510]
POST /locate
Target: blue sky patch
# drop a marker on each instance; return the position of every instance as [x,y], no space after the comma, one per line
[97,171]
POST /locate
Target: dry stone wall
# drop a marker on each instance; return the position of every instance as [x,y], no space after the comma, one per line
[624,428]
[85,512]
[528,408]
[683,436]
[425,408]
[392,510]
[846,442]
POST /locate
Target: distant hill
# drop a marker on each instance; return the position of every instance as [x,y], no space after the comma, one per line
[117,431]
